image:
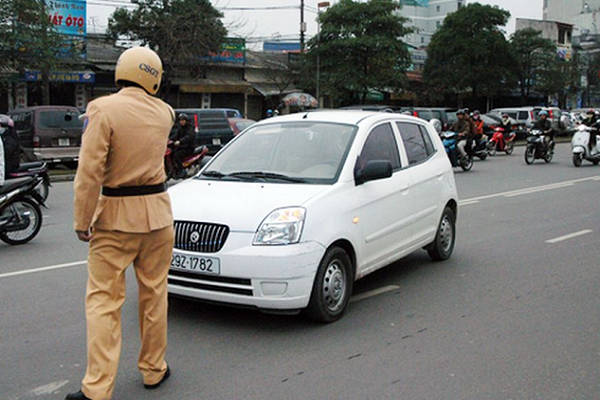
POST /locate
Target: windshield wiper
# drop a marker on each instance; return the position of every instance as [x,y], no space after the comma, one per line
[212,174]
[267,175]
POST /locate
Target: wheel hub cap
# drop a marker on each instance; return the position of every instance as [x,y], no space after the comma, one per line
[334,286]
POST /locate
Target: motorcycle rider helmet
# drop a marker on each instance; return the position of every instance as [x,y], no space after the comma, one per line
[6,121]
[476,114]
[183,116]
[459,112]
[269,113]
[141,66]
[543,113]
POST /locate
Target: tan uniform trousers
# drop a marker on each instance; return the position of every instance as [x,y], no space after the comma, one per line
[110,253]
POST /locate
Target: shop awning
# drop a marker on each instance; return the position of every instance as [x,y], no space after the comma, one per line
[213,86]
[271,89]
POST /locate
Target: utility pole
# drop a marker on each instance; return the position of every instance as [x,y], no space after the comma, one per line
[302,26]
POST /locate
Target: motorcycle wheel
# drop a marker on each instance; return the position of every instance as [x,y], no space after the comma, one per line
[510,148]
[595,162]
[492,148]
[169,170]
[482,156]
[467,164]
[548,156]
[530,155]
[577,160]
[22,207]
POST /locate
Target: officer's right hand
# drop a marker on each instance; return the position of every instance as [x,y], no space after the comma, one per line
[84,236]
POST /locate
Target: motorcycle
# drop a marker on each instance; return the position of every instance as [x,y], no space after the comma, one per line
[20,212]
[33,169]
[480,148]
[450,140]
[191,165]
[580,146]
[536,147]
[499,143]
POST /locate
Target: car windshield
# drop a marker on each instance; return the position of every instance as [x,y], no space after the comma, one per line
[286,152]
[64,119]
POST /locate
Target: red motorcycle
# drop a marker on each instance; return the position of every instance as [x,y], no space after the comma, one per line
[191,165]
[499,142]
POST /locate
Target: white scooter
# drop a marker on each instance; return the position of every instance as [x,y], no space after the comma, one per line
[580,146]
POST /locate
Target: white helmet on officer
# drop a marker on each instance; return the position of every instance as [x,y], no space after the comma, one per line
[140,66]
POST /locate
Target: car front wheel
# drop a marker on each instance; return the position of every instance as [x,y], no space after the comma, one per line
[332,287]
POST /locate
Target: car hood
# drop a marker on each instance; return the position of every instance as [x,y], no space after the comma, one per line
[240,205]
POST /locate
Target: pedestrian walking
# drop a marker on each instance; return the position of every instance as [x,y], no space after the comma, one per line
[122,209]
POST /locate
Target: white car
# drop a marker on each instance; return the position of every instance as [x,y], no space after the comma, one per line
[289,214]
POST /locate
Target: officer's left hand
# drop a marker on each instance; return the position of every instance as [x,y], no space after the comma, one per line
[84,236]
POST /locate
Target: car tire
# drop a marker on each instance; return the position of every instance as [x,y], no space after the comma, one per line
[443,245]
[332,287]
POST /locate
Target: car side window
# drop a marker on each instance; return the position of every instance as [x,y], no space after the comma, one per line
[522,115]
[23,122]
[380,145]
[414,143]
[427,139]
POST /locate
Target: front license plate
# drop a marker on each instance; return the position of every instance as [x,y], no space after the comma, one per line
[216,140]
[64,142]
[202,265]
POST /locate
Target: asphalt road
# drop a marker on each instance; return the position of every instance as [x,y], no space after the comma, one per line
[514,314]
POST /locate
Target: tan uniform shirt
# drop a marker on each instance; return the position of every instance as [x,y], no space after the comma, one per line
[124,144]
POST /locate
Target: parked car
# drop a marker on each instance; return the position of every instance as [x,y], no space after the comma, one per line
[288,215]
[211,126]
[529,115]
[446,116]
[239,124]
[231,112]
[51,133]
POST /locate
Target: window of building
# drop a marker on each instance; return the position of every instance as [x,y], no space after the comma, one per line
[459,4]
[437,24]
[438,8]
[422,40]
[561,35]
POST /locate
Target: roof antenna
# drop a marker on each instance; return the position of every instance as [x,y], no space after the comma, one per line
[305,115]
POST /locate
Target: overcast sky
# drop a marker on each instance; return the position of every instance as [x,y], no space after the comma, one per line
[285,23]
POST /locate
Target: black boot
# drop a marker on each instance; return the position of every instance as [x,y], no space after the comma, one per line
[77,396]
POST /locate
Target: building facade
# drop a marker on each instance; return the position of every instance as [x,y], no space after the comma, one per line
[426,16]
[559,32]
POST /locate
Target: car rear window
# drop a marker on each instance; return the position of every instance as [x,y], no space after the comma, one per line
[522,115]
[63,119]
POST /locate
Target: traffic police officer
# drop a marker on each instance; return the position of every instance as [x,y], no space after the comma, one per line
[122,209]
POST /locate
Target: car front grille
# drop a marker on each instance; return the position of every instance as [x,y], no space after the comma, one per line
[200,237]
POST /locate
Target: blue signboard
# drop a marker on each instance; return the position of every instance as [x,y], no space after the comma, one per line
[281,46]
[69,77]
[417,3]
[68,16]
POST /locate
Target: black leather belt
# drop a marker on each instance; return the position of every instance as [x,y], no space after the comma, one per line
[126,191]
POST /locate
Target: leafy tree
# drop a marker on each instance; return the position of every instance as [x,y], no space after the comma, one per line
[558,77]
[469,52]
[28,40]
[359,49]
[182,32]
[532,54]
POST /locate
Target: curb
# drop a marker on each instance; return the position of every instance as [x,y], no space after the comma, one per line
[62,178]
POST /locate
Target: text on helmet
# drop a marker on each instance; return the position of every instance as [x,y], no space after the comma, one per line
[148,69]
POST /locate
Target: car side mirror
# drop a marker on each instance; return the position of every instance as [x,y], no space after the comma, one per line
[374,170]
[437,124]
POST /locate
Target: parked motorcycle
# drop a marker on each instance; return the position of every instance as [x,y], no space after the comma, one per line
[450,140]
[536,147]
[498,142]
[190,166]
[580,146]
[34,169]
[20,212]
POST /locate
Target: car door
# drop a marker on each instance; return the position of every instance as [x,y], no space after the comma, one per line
[385,205]
[427,174]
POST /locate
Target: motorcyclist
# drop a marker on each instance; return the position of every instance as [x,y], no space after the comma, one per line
[183,140]
[506,126]
[463,127]
[545,125]
[592,120]
[10,142]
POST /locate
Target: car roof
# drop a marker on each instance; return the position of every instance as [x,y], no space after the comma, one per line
[353,117]
[42,108]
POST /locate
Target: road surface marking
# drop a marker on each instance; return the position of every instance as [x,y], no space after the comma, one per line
[570,236]
[34,270]
[529,190]
[49,388]
[373,293]
[467,203]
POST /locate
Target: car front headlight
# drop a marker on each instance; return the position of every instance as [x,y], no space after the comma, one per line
[282,226]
